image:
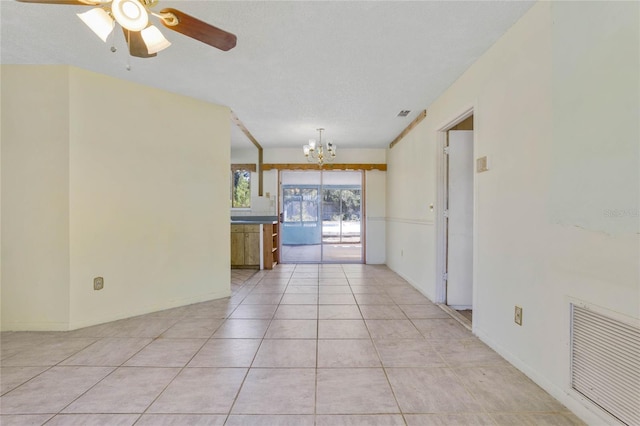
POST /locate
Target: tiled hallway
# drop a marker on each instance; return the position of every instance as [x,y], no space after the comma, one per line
[299,345]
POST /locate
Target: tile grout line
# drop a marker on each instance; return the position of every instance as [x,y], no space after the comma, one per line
[315,389]
[460,367]
[384,370]
[244,379]
[179,372]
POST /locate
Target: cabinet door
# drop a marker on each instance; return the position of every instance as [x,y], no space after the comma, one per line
[237,248]
[252,248]
[237,228]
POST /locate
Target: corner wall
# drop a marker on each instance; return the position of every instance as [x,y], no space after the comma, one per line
[141,175]
[556,217]
[35,198]
[145,187]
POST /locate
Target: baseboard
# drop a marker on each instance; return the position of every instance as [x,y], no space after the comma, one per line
[150,309]
[586,413]
[64,326]
[413,284]
[8,326]
[461,307]
[456,316]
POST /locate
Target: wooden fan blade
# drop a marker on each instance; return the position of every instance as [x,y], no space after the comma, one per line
[199,30]
[137,47]
[71,2]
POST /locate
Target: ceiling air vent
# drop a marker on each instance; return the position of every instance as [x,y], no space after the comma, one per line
[404,113]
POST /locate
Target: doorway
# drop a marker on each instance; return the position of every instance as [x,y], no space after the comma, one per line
[459,217]
[321,217]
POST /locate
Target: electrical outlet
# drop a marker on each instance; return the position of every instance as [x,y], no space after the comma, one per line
[518,315]
[98,283]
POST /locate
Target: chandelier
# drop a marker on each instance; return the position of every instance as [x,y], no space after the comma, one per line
[317,153]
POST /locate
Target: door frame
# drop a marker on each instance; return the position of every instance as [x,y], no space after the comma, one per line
[442,201]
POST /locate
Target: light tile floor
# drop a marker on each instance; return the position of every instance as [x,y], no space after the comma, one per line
[299,345]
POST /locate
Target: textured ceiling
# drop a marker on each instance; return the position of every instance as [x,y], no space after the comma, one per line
[349,67]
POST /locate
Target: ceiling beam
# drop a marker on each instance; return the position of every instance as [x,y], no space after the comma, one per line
[411,125]
[253,140]
[250,167]
[244,129]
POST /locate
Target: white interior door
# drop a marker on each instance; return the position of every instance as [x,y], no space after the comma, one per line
[460,222]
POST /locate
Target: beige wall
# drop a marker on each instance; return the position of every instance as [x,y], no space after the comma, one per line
[556,217]
[375,202]
[142,172]
[35,197]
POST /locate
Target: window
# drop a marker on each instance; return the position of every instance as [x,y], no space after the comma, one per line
[241,185]
[241,189]
[300,205]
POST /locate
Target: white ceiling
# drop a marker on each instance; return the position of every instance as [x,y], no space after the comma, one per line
[347,66]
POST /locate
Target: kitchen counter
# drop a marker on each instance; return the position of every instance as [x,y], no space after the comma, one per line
[253,220]
[254,242]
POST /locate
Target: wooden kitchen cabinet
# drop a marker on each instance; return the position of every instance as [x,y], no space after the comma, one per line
[270,243]
[237,248]
[252,245]
[245,246]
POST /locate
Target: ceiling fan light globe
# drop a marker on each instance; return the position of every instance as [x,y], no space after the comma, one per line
[154,40]
[131,14]
[99,21]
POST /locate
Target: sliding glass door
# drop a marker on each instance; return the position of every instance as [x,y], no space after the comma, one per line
[300,227]
[321,217]
[341,216]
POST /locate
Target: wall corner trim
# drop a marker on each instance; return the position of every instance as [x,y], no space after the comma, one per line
[407,129]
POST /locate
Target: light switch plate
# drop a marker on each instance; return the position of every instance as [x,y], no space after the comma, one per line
[517,318]
[482,164]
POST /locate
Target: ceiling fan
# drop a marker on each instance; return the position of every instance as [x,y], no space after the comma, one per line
[144,39]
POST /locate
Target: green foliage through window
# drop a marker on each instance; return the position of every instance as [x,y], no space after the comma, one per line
[241,189]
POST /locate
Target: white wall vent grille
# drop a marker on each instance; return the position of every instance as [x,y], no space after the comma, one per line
[605,363]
